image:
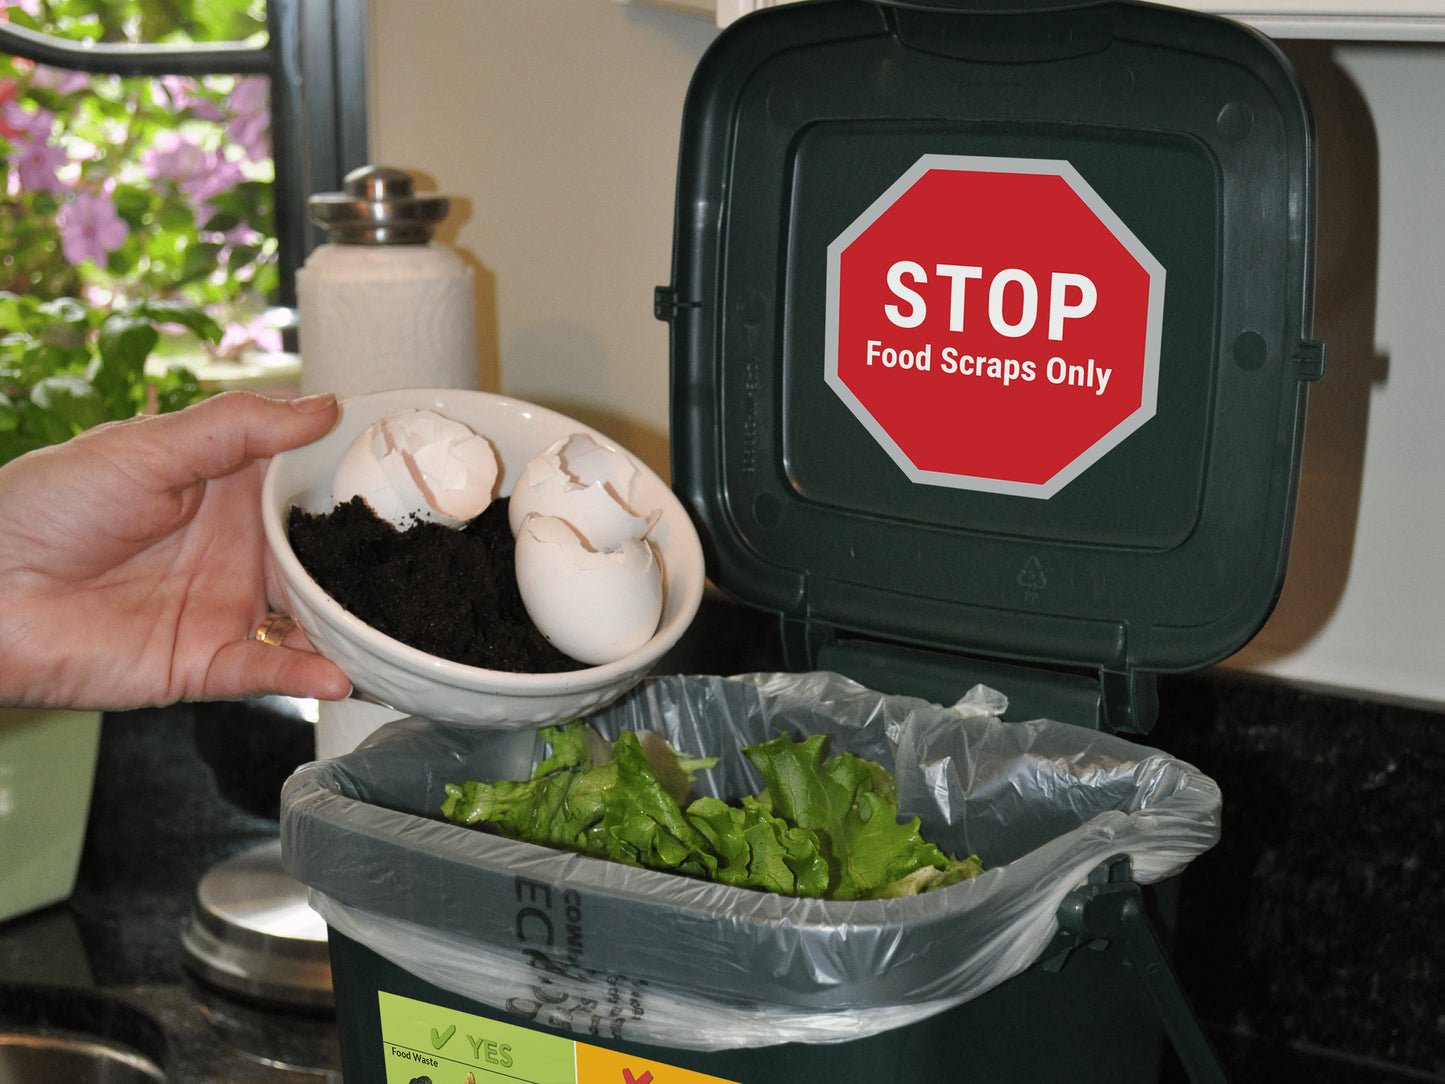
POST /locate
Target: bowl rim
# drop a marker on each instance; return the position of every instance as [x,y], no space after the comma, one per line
[294,577]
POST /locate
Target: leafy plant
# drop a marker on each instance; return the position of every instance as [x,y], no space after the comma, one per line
[66,366]
[120,190]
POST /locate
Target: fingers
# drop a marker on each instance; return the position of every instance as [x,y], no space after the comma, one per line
[218,435]
[295,637]
[251,668]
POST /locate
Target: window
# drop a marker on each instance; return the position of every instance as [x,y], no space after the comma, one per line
[173,147]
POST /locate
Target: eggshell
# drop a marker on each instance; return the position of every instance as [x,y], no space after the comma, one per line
[595,606]
[592,486]
[414,465]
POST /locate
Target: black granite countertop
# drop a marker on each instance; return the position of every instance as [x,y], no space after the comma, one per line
[159,821]
[1311,939]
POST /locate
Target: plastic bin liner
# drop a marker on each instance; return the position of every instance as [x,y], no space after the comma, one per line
[594,946]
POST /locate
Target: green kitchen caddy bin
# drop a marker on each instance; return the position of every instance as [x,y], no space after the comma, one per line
[445,938]
[990,339]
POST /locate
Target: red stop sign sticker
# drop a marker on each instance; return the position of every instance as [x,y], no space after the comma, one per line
[993,324]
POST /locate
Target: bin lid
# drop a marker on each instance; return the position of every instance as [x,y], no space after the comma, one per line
[989,331]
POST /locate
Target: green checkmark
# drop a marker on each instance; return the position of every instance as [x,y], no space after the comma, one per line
[439,1039]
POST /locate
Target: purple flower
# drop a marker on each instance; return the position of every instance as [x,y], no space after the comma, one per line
[215,175]
[171,156]
[37,123]
[250,127]
[182,93]
[242,233]
[61,80]
[90,228]
[239,339]
[38,165]
[36,160]
[199,174]
[252,133]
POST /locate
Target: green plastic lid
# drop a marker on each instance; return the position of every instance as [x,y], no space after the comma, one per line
[989,333]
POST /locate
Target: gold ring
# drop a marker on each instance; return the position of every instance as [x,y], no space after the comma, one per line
[274,629]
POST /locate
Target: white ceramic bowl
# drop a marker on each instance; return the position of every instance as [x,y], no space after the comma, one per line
[412,681]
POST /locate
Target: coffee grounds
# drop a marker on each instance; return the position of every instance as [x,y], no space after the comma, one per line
[451,592]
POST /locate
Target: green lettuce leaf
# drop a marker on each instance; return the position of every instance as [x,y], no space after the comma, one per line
[852,804]
[822,827]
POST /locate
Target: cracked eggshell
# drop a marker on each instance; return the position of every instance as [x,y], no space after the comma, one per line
[595,606]
[592,486]
[414,465]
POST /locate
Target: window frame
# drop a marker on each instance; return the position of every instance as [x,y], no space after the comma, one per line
[315,59]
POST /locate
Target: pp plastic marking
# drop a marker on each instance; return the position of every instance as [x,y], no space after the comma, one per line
[993,324]
[420,1039]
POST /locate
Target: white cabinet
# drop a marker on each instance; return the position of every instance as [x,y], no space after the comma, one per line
[1335,20]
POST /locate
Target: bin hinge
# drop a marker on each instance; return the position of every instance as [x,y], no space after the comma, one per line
[1129,700]
[1113,910]
[1309,359]
[666,305]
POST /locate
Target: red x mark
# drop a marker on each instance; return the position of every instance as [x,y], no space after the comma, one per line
[645,1078]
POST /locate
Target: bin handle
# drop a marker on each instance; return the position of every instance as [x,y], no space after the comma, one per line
[1114,911]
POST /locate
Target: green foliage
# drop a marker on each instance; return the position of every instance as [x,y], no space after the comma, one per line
[65,367]
[154,21]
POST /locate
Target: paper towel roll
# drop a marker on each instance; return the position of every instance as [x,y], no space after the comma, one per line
[389,316]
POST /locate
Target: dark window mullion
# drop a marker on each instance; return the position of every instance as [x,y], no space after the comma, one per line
[349,86]
[124,58]
[289,151]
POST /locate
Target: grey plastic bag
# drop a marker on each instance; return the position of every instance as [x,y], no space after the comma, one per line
[595,946]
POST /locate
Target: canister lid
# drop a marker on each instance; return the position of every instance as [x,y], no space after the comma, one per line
[252,932]
[378,205]
[1159,541]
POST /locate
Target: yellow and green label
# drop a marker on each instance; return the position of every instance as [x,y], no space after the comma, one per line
[420,1040]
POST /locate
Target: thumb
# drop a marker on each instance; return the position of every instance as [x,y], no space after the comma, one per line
[219,435]
[245,668]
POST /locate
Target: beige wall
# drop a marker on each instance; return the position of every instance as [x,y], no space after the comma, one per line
[555,123]
[1364,605]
